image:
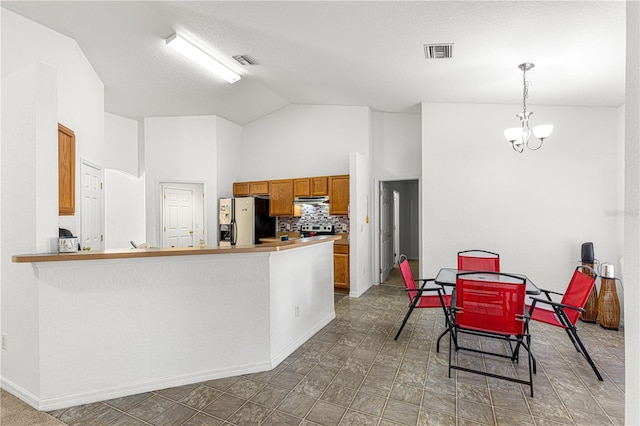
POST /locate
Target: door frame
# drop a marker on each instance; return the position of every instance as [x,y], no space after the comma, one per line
[377,248]
[198,188]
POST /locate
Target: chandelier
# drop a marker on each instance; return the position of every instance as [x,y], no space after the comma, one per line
[520,137]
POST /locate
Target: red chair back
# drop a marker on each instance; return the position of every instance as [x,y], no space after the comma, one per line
[478,260]
[577,293]
[407,276]
[490,302]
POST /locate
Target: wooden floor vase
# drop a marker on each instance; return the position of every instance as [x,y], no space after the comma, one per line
[608,304]
[591,307]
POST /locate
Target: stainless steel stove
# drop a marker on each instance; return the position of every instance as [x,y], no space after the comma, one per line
[313,230]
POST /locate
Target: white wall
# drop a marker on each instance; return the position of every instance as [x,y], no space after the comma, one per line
[397,145]
[361,225]
[29,136]
[80,90]
[123,188]
[121,141]
[304,140]
[45,80]
[535,208]
[124,209]
[631,273]
[229,156]
[180,149]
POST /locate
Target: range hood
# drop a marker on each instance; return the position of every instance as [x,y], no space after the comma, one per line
[311,200]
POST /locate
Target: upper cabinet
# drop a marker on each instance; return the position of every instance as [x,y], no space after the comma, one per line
[339,195]
[305,187]
[302,187]
[320,185]
[245,189]
[283,191]
[66,171]
[281,197]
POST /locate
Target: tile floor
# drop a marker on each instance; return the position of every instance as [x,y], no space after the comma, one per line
[352,372]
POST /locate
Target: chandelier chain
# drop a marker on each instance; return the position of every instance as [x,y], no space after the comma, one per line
[525,91]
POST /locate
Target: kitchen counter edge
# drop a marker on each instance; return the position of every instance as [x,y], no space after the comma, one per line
[163,252]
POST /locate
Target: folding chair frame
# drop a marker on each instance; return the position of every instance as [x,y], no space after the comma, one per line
[523,340]
[564,322]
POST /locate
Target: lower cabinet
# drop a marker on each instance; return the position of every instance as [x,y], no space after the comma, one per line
[341,267]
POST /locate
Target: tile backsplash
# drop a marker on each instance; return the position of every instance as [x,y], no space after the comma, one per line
[313,215]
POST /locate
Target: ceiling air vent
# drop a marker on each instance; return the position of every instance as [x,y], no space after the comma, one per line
[438,51]
[244,60]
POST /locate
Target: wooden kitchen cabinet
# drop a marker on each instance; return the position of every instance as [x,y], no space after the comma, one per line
[245,189]
[66,171]
[341,267]
[259,187]
[302,187]
[241,189]
[314,186]
[281,197]
[339,195]
[320,185]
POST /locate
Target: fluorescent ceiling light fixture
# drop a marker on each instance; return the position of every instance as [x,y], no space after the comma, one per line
[199,56]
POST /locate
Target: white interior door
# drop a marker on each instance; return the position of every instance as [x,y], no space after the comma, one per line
[396,226]
[386,231]
[177,217]
[92,193]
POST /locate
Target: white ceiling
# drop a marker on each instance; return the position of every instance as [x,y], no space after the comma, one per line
[367,53]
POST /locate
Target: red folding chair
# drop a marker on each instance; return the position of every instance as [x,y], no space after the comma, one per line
[478,260]
[417,298]
[491,305]
[565,314]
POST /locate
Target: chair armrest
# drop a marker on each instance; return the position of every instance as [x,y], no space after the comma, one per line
[423,289]
[426,280]
[548,293]
[554,304]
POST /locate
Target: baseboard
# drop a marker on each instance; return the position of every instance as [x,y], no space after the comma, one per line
[299,342]
[19,392]
[48,404]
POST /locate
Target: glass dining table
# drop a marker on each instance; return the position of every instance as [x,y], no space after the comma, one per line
[447,277]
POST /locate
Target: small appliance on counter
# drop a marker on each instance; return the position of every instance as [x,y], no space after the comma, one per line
[67,243]
[313,230]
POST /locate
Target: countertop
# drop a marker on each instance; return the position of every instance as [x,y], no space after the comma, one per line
[161,252]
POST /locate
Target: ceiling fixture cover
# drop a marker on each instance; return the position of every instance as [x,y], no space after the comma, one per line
[244,60]
[199,56]
[438,51]
[520,136]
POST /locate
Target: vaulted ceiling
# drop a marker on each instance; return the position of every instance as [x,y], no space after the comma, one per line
[367,53]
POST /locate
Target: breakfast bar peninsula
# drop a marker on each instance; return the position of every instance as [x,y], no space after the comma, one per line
[122,322]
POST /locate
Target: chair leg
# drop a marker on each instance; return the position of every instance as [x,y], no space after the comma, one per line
[532,357]
[406,317]
[532,365]
[586,354]
[440,337]
[569,333]
[451,331]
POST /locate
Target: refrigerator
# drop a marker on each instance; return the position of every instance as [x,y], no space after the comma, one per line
[243,221]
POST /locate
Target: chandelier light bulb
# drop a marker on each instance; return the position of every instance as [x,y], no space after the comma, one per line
[543,131]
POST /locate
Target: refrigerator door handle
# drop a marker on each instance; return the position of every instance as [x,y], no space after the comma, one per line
[234,232]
